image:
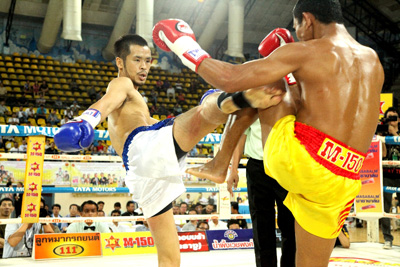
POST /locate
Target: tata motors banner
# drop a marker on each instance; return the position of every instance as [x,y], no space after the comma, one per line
[230,239]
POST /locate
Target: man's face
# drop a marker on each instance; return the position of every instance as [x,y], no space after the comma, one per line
[56,210]
[199,208]
[175,210]
[392,113]
[234,226]
[209,209]
[101,206]
[101,213]
[6,208]
[89,210]
[73,211]
[136,65]
[183,209]
[131,207]
[202,227]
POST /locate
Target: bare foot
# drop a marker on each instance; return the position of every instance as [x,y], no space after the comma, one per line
[211,170]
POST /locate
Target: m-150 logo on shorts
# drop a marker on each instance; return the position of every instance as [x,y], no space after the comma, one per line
[340,156]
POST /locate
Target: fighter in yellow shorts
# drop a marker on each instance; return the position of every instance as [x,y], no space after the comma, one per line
[320,173]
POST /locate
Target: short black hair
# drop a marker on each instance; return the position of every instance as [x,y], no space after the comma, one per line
[8,184]
[56,205]
[183,203]
[100,202]
[391,109]
[116,211]
[6,199]
[117,204]
[89,202]
[76,205]
[129,203]
[325,11]
[230,222]
[235,205]
[123,44]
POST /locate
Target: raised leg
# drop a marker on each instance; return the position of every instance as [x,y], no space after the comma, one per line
[312,250]
[164,232]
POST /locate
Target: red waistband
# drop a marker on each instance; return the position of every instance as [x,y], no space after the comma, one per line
[333,154]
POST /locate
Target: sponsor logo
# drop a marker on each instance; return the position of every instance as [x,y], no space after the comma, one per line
[182,26]
[230,234]
[112,243]
[68,250]
[232,245]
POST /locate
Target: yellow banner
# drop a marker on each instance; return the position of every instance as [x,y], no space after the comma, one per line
[54,246]
[127,243]
[33,179]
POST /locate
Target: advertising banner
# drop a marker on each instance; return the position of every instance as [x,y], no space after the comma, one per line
[193,241]
[55,246]
[127,243]
[230,239]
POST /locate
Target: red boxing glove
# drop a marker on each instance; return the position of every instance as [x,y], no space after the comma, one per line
[273,40]
[176,35]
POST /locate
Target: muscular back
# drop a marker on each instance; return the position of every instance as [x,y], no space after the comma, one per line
[340,90]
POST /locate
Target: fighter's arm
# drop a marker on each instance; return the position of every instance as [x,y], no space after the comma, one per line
[233,178]
[232,78]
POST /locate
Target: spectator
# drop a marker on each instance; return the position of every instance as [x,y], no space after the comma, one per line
[13,120]
[40,100]
[159,85]
[116,227]
[18,197]
[89,209]
[199,208]
[64,120]
[27,88]
[19,238]
[53,118]
[101,213]
[171,92]
[130,209]
[146,100]
[92,93]
[188,200]
[234,225]
[154,97]
[22,116]
[47,144]
[208,209]
[68,113]
[30,112]
[56,208]
[202,200]
[202,226]
[100,205]
[183,208]
[181,99]
[44,88]
[15,148]
[3,92]
[73,212]
[52,149]
[178,86]
[143,228]
[235,210]
[117,206]
[36,88]
[111,151]
[176,209]
[58,103]
[73,86]
[23,146]
[192,224]
[75,108]
[3,109]
[166,85]
[6,208]
[41,113]
[216,224]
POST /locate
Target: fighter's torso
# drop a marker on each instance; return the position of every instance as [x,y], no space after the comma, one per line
[340,91]
[133,113]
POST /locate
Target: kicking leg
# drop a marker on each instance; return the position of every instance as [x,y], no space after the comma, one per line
[164,232]
[312,250]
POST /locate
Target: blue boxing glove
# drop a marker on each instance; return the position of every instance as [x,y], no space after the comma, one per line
[78,133]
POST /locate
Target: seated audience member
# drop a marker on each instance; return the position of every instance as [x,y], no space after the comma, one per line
[199,208]
[35,88]
[73,212]
[202,226]
[44,88]
[69,113]
[64,120]
[75,108]
[117,206]
[53,118]
[6,208]
[101,213]
[23,146]
[343,239]
[143,228]
[3,109]
[41,113]
[192,224]
[22,116]
[208,209]
[171,92]
[216,224]
[30,112]
[58,103]
[116,227]
[56,208]
[233,224]
[27,88]
[130,209]
[19,237]
[88,209]
[15,148]
[40,100]
[52,149]
[183,208]
[13,120]
[178,86]
[181,99]
[235,210]
[100,204]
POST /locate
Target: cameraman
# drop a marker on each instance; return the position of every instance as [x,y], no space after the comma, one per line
[390,174]
[19,237]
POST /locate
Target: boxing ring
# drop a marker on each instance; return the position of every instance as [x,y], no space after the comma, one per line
[360,254]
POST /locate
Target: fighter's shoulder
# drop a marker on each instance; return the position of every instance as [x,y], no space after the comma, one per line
[120,84]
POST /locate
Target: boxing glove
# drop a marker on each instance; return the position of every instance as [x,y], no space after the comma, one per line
[176,35]
[78,133]
[272,41]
